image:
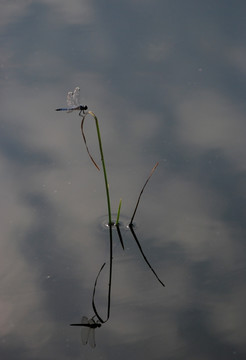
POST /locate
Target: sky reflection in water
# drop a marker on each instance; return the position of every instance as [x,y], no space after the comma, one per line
[167,82]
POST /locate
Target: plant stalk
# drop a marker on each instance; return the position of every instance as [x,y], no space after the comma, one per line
[104,167]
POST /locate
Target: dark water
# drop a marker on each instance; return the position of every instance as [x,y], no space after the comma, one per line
[167,82]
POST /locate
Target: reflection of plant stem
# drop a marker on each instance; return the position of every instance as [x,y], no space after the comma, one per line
[145,259]
[117,225]
[120,236]
[141,192]
[102,159]
[93,296]
[118,213]
[109,283]
[110,268]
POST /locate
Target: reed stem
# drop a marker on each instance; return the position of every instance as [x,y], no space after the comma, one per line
[104,167]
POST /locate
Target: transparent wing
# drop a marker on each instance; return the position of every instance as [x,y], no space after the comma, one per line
[91,337]
[76,96]
[92,340]
[85,331]
[73,99]
[70,100]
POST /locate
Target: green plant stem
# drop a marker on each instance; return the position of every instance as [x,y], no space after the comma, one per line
[104,167]
[118,213]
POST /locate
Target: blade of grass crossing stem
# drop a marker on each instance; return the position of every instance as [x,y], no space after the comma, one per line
[141,192]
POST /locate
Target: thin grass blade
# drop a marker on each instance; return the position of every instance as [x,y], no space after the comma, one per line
[141,192]
[83,134]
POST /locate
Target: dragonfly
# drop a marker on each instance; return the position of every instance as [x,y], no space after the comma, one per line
[73,102]
[88,330]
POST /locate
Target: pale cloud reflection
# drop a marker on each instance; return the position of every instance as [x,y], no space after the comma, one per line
[237,56]
[71,12]
[11,10]
[144,125]
[157,51]
[23,314]
[208,120]
[227,316]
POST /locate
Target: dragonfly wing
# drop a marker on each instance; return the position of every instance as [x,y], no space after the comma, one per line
[85,331]
[91,337]
[70,100]
[92,340]
[84,320]
[76,96]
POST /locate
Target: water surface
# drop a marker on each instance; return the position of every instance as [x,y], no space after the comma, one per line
[167,82]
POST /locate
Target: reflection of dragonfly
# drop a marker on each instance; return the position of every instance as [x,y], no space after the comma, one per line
[88,330]
[73,102]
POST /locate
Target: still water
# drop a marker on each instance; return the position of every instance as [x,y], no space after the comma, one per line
[167,82]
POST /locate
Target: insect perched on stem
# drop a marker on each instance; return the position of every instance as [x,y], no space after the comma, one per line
[73,102]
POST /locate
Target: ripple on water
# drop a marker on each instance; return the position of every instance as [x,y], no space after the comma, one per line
[123,222]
